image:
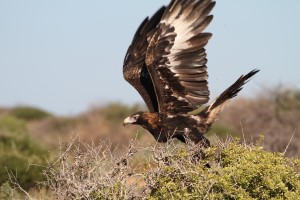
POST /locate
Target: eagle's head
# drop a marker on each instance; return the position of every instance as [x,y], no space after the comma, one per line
[136,118]
[144,119]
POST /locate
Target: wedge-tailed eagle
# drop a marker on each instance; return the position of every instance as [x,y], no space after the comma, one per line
[166,64]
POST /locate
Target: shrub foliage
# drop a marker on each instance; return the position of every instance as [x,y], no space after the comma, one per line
[28,113]
[236,172]
[17,151]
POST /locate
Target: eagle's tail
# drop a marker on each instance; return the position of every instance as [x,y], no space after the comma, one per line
[210,112]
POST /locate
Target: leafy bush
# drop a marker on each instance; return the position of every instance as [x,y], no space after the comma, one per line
[17,151]
[287,106]
[29,113]
[287,100]
[12,125]
[238,171]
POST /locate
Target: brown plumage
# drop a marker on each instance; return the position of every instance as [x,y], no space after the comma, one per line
[166,64]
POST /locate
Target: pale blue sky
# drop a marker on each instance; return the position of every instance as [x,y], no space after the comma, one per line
[66,55]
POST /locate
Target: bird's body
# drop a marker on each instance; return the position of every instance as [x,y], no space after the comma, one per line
[166,64]
[164,127]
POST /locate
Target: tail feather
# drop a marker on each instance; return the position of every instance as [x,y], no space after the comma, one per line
[211,111]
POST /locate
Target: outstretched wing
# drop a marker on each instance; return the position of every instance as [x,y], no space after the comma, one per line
[176,58]
[134,68]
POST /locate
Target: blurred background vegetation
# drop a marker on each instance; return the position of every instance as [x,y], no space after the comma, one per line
[30,137]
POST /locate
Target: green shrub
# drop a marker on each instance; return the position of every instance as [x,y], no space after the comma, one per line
[17,151]
[287,106]
[12,125]
[29,113]
[288,99]
[236,171]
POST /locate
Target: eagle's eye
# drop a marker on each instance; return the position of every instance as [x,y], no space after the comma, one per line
[135,117]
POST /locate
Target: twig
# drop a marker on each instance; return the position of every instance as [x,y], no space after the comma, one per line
[289,143]
[14,181]
[66,151]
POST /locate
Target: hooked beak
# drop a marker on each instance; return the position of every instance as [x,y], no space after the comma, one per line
[128,120]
